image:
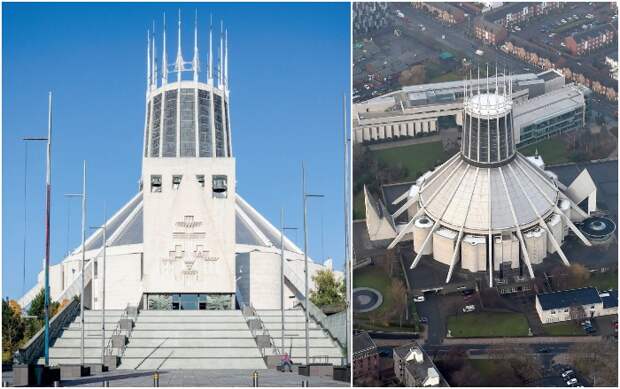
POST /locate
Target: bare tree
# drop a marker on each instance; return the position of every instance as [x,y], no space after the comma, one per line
[398,294]
[577,313]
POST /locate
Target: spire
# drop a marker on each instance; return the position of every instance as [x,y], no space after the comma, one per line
[164,60]
[226,59]
[179,62]
[196,60]
[210,70]
[154,64]
[148,60]
[220,65]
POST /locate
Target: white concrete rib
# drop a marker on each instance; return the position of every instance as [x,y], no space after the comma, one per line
[555,207]
[460,236]
[489,250]
[406,206]
[430,234]
[526,256]
[409,225]
[541,221]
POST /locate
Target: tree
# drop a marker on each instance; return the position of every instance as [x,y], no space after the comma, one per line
[329,291]
[398,295]
[12,331]
[577,313]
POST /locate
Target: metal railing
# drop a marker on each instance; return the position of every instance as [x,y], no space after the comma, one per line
[34,348]
[117,331]
[255,331]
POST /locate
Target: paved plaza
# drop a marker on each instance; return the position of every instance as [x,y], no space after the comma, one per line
[212,378]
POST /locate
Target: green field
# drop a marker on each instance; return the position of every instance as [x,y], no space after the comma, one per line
[552,150]
[565,328]
[417,158]
[485,324]
[604,281]
[451,76]
[373,277]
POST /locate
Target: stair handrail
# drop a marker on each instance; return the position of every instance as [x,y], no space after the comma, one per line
[33,349]
[274,349]
[254,315]
[117,330]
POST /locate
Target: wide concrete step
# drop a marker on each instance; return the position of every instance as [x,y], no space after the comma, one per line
[190,319]
[192,363]
[92,326]
[73,332]
[71,352]
[318,359]
[71,360]
[298,352]
[194,342]
[301,342]
[292,326]
[194,352]
[300,333]
[287,319]
[191,326]
[76,342]
[163,334]
[278,313]
[229,313]
[108,312]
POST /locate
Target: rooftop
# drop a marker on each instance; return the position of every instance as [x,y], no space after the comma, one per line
[610,298]
[554,103]
[362,343]
[567,298]
[507,8]
[423,370]
[593,33]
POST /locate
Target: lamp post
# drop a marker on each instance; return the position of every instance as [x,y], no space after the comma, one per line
[105,244]
[282,229]
[48,199]
[347,218]
[83,196]
[305,198]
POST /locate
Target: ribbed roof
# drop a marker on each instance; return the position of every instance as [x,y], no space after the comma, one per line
[459,193]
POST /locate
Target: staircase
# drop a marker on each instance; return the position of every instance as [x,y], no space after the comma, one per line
[322,348]
[191,340]
[66,348]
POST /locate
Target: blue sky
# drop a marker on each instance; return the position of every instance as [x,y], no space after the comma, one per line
[289,66]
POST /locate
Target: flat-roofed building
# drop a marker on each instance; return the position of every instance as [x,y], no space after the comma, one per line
[575,304]
[415,110]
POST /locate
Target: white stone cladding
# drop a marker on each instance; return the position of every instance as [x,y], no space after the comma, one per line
[473,253]
[421,229]
[536,244]
[505,250]
[444,241]
[557,230]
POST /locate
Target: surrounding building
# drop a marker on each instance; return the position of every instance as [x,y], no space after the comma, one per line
[413,367]
[543,104]
[369,17]
[585,42]
[365,360]
[576,304]
[612,62]
[489,33]
[445,12]
[187,241]
[488,206]
[511,14]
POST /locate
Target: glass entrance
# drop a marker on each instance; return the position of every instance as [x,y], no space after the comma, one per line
[189,301]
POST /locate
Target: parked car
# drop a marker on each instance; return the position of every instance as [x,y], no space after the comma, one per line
[469,308]
[567,373]
[424,320]
[543,350]
[418,299]
[572,381]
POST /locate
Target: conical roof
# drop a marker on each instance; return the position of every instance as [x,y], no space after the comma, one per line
[484,199]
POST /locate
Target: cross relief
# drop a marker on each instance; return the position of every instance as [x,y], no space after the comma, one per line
[189,248]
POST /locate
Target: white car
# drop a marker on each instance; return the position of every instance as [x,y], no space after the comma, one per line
[567,373]
[469,308]
[418,299]
[572,381]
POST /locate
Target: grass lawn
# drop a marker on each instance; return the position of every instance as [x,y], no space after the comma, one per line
[565,328]
[376,278]
[359,208]
[604,281]
[417,158]
[552,150]
[452,76]
[486,324]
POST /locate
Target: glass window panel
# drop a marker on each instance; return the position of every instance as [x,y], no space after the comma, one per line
[156,126]
[188,135]
[170,124]
[204,120]
[219,127]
